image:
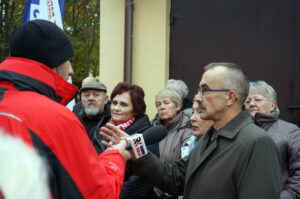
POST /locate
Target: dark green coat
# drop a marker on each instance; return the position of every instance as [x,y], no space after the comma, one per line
[241,163]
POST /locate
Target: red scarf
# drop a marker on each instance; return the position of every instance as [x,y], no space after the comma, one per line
[124,125]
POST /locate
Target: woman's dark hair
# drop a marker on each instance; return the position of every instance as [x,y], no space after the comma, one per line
[136,94]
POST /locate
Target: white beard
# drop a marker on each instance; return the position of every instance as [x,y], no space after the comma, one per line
[91,111]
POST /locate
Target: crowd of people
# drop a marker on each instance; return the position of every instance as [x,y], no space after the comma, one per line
[227,143]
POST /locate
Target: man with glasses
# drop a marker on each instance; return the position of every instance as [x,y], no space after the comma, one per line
[234,159]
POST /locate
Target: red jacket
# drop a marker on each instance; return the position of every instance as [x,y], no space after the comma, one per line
[29,108]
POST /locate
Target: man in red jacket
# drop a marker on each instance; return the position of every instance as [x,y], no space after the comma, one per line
[33,95]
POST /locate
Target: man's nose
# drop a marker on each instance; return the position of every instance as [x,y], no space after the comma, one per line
[70,72]
[200,98]
[192,118]
[91,97]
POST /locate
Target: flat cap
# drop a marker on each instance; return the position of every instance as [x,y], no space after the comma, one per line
[94,85]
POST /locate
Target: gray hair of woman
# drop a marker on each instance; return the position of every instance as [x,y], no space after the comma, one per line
[171,94]
[264,89]
[179,86]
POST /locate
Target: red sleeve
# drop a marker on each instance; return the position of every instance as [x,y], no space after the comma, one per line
[113,173]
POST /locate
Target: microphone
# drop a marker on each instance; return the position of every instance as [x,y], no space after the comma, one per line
[152,135]
[138,142]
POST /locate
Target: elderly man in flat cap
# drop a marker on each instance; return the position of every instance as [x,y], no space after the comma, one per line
[94,101]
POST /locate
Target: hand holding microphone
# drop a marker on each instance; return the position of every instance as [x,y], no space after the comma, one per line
[137,142]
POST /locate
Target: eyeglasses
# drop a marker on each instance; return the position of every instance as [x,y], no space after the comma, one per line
[202,91]
[256,101]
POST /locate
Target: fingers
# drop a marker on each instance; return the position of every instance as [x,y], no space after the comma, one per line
[106,135]
[107,144]
[109,135]
[112,133]
[121,147]
[116,130]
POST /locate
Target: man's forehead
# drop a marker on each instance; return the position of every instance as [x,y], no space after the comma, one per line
[213,76]
[93,91]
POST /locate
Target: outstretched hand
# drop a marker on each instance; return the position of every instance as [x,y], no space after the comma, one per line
[117,140]
[113,134]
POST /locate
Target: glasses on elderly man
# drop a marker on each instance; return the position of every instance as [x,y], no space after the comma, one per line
[202,91]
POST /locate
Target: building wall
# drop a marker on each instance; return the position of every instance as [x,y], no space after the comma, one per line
[150,59]
[111,42]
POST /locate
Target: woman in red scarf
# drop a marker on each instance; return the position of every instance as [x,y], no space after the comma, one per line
[127,111]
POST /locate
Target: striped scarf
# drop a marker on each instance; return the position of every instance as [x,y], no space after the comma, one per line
[124,125]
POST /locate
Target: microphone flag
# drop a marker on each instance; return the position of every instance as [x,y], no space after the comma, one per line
[138,145]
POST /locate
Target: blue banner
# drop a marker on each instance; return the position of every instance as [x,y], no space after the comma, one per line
[51,10]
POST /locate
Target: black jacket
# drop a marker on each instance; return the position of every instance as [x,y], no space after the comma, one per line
[134,186]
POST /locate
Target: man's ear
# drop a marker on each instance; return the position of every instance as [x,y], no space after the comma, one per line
[231,97]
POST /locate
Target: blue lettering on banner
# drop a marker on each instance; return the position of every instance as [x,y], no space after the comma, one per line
[36,12]
[26,15]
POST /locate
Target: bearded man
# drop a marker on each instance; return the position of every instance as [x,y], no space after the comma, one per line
[94,101]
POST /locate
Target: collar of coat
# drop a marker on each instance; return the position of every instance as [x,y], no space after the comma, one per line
[234,126]
[265,120]
[28,75]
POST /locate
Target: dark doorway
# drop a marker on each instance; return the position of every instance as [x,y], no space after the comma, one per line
[263,36]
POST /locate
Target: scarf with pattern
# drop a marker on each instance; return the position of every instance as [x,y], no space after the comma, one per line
[124,125]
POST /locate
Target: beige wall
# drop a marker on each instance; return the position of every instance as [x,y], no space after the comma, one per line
[112,14]
[150,62]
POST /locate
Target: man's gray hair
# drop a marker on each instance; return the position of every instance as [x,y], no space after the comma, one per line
[235,79]
[179,86]
[171,94]
[266,90]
